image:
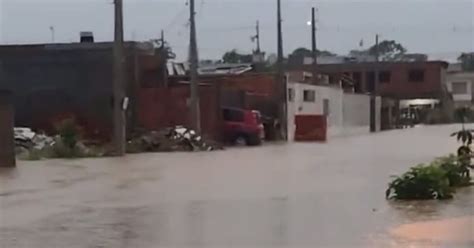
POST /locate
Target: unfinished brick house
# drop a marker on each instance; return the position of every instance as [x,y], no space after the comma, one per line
[53,81]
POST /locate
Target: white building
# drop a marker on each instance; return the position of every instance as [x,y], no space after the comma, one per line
[460,84]
[347,113]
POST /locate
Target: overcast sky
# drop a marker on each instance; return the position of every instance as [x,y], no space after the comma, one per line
[441,28]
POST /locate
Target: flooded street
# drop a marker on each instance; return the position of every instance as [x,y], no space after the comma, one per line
[294,195]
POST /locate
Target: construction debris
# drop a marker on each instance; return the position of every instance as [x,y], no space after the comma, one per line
[33,146]
[178,138]
[27,139]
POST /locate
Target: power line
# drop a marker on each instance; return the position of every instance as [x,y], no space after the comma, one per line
[227,29]
[176,18]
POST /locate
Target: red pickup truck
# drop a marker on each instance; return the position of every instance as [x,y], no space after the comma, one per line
[242,126]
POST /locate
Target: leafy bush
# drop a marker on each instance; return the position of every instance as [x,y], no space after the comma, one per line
[422,182]
[63,150]
[437,180]
[456,172]
[434,181]
[69,136]
[464,152]
[69,132]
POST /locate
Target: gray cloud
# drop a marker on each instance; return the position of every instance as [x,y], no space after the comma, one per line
[432,26]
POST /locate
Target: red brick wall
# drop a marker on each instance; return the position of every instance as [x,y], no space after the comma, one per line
[260,91]
[253,83]
[401,86]
[166,107]
[261,83]
[251,90]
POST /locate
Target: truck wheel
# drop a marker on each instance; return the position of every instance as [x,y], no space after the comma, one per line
[254,140]
[241,140]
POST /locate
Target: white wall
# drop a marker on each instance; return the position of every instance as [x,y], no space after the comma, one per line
[356,112]
[466,77]
[461,97]
[348,113]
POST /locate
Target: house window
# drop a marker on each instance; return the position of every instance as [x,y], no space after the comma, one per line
[385,77]
[291,95]
[459,88]
[309,96]
[326,107]
[416,75]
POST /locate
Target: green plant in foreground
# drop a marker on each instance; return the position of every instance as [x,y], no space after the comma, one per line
[464,152]
[438,179]
[434,181]
[455,170]
[422,182]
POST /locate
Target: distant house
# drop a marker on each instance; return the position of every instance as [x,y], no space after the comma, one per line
[467,61]
[460,84]
[403,85]
[298,61]
[414,57]
[400,80]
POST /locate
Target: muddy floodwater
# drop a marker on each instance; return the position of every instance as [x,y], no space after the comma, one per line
[279,195]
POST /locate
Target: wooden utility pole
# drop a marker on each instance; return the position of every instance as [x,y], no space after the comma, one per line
[7,145]
[193,61]
[373,95]
[164,57]
[314,46]
[257,37]
[281,81]
[51,28]
[162,38]
[118,84]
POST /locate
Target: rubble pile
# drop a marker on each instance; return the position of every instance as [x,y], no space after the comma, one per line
[32,145]
[177,138]
[25,138]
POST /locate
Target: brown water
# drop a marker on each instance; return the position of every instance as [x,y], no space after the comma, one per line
[295,195]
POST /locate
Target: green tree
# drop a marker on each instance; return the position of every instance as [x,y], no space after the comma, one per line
[389,50]
[235,57]
[304,52]
[467,61]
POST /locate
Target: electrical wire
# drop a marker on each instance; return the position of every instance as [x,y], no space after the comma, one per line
[176,18]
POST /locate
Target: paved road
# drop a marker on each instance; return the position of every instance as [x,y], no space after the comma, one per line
[295,195]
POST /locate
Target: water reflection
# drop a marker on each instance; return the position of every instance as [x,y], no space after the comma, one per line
[279,213]
[455,232]
[196,224]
